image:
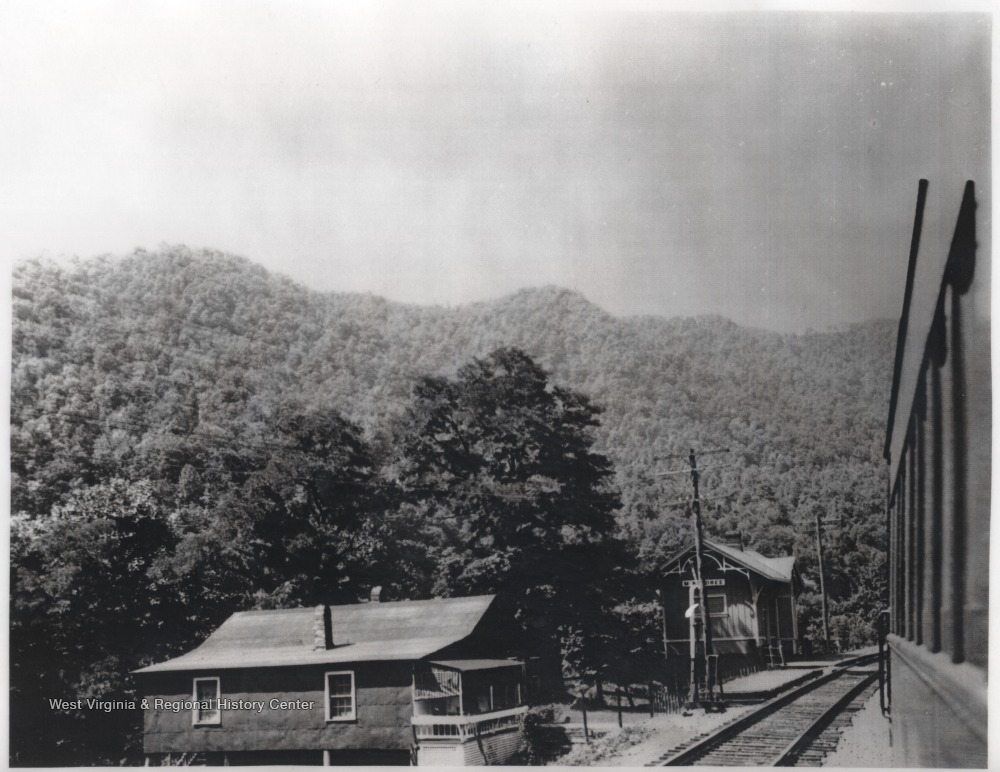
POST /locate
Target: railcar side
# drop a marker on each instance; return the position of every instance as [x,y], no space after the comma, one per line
[938,451]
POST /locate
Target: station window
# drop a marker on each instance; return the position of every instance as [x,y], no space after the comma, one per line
[717,605]
[205,695]
[340,696]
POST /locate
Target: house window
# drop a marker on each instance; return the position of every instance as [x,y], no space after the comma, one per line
[717,605]
[205,696]
[340,702]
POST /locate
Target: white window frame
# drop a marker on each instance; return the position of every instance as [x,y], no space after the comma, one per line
[725,604]
[196,719]
[353,715]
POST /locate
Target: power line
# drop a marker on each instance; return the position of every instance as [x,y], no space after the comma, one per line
[700,471]
[686,502]
[710,452]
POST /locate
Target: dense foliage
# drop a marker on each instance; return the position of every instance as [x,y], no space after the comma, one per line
[500,463]
[191,435]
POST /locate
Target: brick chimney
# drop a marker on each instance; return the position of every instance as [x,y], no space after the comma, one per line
[734,539]
[322,629]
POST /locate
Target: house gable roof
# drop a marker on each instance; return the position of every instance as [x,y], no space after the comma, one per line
[401,630]
[779,569]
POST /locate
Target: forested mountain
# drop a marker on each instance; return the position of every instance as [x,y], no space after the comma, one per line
[172,388]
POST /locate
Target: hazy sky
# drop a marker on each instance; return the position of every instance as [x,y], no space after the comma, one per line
[759,166]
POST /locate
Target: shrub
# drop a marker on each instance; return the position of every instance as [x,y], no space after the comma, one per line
[541,739]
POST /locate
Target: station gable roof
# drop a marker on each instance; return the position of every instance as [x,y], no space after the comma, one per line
[778,569]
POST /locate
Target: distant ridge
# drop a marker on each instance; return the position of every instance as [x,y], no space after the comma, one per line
[803,412]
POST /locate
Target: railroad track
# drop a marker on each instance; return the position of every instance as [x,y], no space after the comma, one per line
[799,727]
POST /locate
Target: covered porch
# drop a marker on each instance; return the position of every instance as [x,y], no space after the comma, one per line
[467,712]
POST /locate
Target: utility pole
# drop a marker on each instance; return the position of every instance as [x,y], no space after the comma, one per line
[822,580]
[700,584]
[694,506]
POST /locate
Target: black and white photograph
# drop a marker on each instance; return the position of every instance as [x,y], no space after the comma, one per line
[469,384]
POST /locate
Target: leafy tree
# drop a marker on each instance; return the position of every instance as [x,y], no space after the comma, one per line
[503,462]
[90,599]
[310,511]
[297,519]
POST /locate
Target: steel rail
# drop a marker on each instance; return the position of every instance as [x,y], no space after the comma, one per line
[789,755]
[726,732]
[861,659]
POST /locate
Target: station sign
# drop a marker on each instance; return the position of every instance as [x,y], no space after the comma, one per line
[708,583]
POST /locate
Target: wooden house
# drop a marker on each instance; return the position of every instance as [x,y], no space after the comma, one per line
[750,601]
[405,682]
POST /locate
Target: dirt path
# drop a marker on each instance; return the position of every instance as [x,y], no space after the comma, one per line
[646,740]
[865,743]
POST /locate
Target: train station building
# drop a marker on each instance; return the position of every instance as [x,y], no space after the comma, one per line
[751,604]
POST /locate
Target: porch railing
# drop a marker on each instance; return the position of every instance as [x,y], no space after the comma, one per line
[461,728]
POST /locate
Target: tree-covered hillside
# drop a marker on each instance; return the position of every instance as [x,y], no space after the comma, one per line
[157,336]
[200,399]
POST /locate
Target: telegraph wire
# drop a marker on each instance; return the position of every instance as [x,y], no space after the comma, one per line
[688,471]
